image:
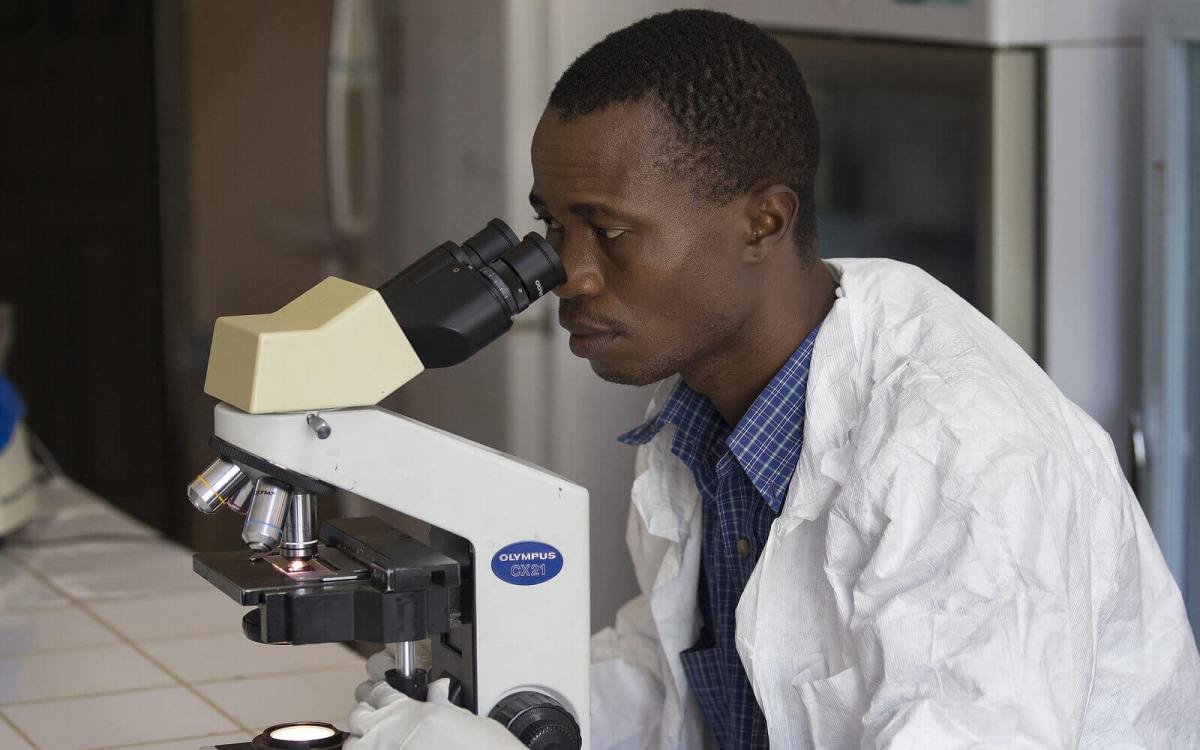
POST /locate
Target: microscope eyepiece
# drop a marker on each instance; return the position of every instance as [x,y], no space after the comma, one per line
[535,265]
[491,242]
[455,300]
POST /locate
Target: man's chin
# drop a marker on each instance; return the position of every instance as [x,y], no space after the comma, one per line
[623,373]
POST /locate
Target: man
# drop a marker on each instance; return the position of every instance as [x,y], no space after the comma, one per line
[862,516]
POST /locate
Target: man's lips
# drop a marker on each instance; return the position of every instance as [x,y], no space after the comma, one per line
[588,337]
[581,330]
[578,326]
[588,345]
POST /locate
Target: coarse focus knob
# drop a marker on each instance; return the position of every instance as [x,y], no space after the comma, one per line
[538,721]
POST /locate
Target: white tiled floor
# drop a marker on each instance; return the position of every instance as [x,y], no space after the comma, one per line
[66,509]
[10,740]
[116,569]
[188,744]
[231,656]
[50,630]
[171,615]
[316,696]
[95,653]
[19,590]
[59,674]
[120,719]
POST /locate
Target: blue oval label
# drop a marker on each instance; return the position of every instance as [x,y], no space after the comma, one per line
[527,563]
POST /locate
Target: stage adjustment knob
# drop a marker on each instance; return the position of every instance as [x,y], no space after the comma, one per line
[538,721]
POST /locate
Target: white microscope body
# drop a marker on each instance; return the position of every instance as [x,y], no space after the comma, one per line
[501,588]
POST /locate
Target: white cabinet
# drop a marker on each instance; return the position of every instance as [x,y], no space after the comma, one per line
[1170,481]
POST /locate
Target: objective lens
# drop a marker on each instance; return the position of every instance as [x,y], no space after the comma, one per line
[216,485]
[264,523]
[300,529]
[240,502]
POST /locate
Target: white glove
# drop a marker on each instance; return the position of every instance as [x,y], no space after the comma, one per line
[377,666]
[386,719]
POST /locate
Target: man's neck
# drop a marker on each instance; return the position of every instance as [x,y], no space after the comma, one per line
[733,377]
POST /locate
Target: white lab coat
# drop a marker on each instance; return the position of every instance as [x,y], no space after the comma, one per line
[959,561]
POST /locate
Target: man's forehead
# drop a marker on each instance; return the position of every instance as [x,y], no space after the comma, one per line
[609,150]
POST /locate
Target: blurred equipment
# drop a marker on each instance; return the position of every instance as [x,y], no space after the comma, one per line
[353,123]
[500,587]
[18,474]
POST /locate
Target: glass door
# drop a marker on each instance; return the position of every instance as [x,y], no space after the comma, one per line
[1169,477]
[929,156]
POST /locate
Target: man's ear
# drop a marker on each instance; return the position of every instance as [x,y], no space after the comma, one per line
[771,212]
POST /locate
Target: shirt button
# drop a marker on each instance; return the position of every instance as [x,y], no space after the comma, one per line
[743,547]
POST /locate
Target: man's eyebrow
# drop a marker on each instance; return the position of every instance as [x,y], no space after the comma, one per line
[587,210]
[584,210]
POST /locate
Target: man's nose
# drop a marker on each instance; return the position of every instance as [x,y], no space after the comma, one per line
[583,271]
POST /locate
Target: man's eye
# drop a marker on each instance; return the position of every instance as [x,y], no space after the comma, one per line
[551,224]
[609,234]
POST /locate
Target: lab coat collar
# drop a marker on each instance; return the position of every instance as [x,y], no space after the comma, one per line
[834,389]
[664,493]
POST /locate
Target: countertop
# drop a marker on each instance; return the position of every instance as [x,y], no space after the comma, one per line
[114,642]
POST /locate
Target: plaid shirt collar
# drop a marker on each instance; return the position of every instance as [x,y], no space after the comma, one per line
[767,440]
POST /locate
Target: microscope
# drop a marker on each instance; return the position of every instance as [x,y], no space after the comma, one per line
[500,588]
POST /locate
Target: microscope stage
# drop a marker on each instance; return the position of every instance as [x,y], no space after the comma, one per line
[368,582]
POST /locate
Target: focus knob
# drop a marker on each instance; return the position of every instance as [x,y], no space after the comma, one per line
[538,721]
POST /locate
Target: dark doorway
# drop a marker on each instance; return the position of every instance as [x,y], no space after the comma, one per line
[79,245]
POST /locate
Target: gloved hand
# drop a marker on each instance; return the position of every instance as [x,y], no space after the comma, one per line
[386,719]
[377,666]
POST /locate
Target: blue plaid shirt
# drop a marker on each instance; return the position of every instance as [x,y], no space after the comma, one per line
[743,477]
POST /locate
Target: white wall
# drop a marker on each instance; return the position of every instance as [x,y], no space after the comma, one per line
[1093,204]
[449,167]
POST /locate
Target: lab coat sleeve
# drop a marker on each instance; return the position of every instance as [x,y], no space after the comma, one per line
[627,692]
[627,669]
[952,654]
[990,566]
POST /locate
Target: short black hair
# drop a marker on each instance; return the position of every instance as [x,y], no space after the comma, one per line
[740,108]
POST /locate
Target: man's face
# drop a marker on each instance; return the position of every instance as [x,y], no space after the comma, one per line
[654,283]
